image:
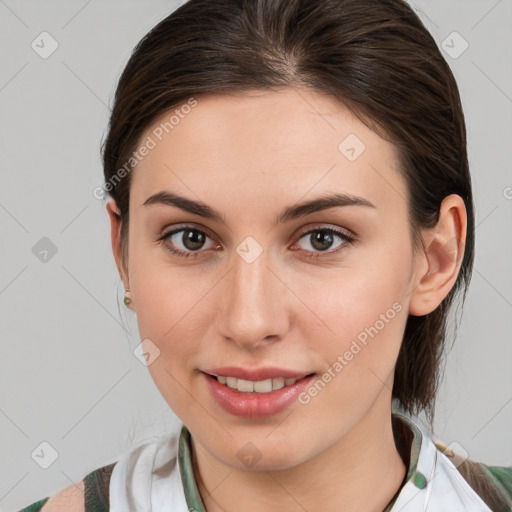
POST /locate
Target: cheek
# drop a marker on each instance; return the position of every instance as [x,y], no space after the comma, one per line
[165,316]
[165,311]
[355,296]
[363,313]
[164,295]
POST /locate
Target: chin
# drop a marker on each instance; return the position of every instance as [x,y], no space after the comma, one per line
[261,454]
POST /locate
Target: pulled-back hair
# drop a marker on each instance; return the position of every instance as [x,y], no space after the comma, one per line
[374,56]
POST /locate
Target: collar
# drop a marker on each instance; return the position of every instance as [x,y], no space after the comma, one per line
[407,435]
[431,483]
[157,476]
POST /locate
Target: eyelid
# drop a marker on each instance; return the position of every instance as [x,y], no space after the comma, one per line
[323,226]
[178,227]
[302,231]
[349,236]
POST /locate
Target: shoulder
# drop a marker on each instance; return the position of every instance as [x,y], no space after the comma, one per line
[70,499]
[492,483]
[89,494]
[501,477]
[148,467]
[502,474]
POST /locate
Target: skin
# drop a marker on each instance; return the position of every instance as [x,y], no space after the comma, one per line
[249,157]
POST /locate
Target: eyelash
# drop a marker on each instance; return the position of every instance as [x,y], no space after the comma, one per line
[348,240]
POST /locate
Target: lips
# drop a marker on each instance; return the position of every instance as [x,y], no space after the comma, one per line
[255,393]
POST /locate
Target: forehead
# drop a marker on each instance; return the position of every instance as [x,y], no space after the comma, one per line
[266,145]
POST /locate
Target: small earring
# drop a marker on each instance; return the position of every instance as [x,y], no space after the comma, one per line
[127,297]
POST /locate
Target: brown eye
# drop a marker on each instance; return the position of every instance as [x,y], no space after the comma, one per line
[186,241]
[193,239]
[320,240]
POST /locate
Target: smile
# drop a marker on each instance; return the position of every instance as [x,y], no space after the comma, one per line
[268,393]
[258,386]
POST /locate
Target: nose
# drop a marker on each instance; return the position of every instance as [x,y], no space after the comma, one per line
[255,303]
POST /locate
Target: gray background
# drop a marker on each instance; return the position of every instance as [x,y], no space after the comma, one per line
[67,373]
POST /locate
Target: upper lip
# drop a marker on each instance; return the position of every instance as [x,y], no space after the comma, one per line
[255,374]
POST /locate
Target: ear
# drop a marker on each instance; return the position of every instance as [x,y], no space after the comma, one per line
[115,233]
[438,266]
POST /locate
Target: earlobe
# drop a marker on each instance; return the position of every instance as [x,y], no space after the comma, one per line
[444,251]
[115,233]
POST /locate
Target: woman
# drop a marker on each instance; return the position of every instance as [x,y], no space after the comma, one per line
[292,218]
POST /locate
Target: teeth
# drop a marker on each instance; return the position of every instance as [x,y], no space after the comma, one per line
[278,382]
[259,386]
[247,386]
[263,386]
[231,382]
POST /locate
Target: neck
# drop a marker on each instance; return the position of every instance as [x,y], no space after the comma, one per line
[362,472]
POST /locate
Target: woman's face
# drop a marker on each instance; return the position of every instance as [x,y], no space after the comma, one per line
[264,291]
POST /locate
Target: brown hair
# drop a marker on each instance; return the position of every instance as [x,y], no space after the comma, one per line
[375,56]
[478,478]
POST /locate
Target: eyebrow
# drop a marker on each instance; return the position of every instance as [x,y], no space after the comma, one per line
[325,202]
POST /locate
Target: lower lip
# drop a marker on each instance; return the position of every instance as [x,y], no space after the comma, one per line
[255,405]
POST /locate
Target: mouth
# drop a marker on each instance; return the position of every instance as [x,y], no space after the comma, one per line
[269,392]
